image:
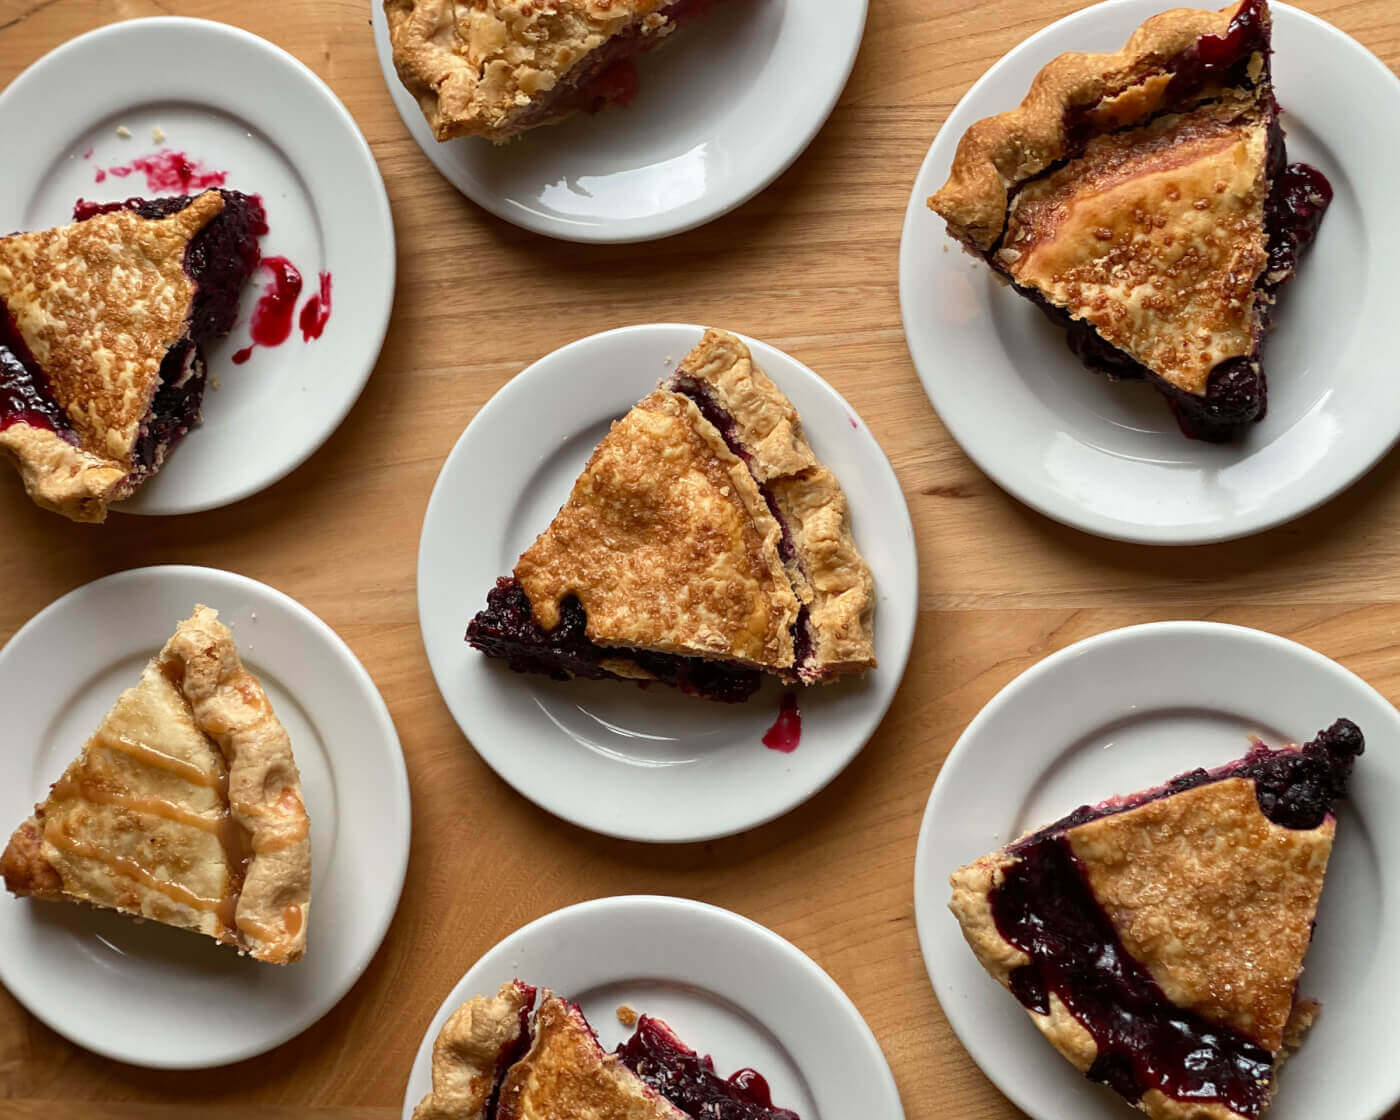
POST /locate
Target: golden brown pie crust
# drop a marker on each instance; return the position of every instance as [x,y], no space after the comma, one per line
[184,807]
[1210,896]
[476,68]
[468,1051]
[98,303]
[1003,151]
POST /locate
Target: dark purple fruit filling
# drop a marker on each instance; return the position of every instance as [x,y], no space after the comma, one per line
[25,397]
[506,629]
[689,1081]
[1045,908]
[513,1052]
[175,407]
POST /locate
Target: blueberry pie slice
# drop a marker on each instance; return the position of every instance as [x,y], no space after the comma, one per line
[702,546]
[495,1060]
[496,68]
[1157,940]
[101,328]
[183,808]
[1144,201]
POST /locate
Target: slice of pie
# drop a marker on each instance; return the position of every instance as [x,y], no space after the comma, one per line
[102,324]
[496,68]
[494,1060]
[1157,940]
[1144,201]
[702,546]
[183,808]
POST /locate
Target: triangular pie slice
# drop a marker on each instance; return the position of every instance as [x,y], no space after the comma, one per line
[494,1060]
[184,807]
[1157,940]
[497,68]
[1143,200]
[703,545]
[102,325]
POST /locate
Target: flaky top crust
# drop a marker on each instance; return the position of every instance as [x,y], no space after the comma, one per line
[1000,152]
[668,545]
[468,1054]
[475,67]
[188,781]
[566,1073]
[828,573]
[98,303]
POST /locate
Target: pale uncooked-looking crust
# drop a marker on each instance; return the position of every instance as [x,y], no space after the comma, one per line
[468,1053]
[1000,152]
[477,68]
[189,775]
[1210,896]
[98,303]
[828,573]
[668,545]
[566,1073]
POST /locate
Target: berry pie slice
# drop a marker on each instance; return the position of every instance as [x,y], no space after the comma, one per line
[495,1060]
[1144,201]
[184,808]
[102,324]
[1157,940]
[702,546]
[496,68]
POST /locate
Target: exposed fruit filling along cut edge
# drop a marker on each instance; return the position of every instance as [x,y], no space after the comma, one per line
[1045,907]
[608,75]
[1236,392]
[218,261]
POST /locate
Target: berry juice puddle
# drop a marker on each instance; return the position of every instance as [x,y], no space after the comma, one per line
[1045,908]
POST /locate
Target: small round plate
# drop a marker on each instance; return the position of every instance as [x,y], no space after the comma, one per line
[1150,702]
[145,993]
[220,97]
[722,112]
[730,988]
[1108,458]
[652,764]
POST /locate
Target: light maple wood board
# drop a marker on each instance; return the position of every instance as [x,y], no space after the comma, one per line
[810,266]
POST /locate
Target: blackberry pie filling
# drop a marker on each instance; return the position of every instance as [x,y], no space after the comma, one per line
[1101,941]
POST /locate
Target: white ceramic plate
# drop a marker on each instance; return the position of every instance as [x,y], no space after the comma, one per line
[144,993]
[722,112]
[1108,458]
[651,765]
[729,987]
[235,103]
[1127,710]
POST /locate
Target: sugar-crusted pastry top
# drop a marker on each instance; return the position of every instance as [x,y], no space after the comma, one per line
[481,68]
[184,807]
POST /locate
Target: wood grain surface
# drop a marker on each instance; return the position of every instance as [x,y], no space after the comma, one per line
[810,266]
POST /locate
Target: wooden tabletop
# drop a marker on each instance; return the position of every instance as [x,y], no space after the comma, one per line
[810,266]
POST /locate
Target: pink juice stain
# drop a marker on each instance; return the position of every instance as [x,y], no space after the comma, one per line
[167,170]
[317,310]
[786,731]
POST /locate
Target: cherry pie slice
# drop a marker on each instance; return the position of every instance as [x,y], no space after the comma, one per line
[496,68]
[1157,940]
[184,807]
[102,324]
[495,1060]
[703,545]
[1144,201]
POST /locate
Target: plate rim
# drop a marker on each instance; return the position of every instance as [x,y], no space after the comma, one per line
[1069,512]
[376,198]
[930,905]
[539,372]
[399,793]
[604,232]
[621,909]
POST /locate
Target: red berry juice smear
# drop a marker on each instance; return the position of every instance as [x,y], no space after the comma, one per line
[786,731]
[167,170]
[272,317]
[317,310]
